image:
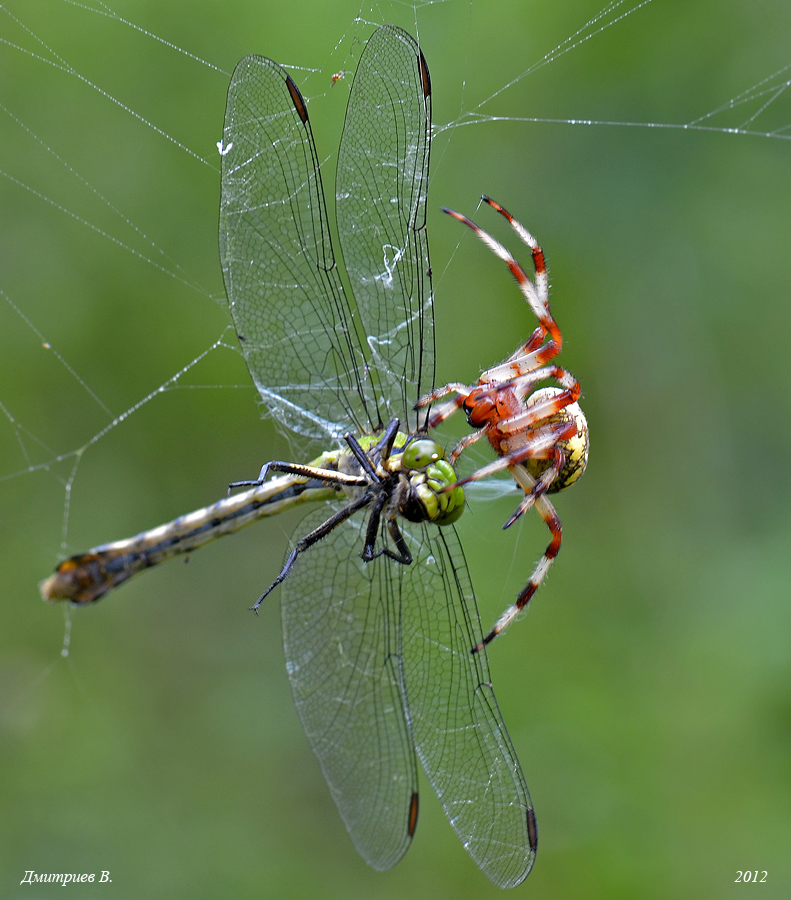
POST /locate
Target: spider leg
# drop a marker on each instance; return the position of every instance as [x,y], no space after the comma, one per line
[543,409]
[524,359]
[541,445]
[519,365]
[463,444]
[539,486]
[444,411]
[310,539]
[539,263]
[492,468]
[535,341]
[536,294]
[550,516]
[439,393]
[522,356]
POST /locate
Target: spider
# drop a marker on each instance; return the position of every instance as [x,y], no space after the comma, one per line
[540,436]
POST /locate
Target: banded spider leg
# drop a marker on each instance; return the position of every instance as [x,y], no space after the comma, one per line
[540,435]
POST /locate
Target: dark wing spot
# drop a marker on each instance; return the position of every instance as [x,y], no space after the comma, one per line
[296,98]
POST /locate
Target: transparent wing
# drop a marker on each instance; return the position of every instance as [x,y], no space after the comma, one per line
[381,190]
[297,329]
[456,724]
[340,645]
[379,659]
[294,323]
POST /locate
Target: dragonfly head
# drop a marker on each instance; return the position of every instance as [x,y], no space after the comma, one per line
[431,480]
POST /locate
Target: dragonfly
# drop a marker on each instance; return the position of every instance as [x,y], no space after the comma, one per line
[377,643]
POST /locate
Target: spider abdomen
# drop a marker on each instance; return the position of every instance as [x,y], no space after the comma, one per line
[575,448]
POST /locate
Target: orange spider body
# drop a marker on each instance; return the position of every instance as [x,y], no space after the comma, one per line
[487,408]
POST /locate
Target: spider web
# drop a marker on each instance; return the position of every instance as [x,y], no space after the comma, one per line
[648,153]
[67,186]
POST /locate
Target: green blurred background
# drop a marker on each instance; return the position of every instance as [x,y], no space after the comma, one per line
[647,692]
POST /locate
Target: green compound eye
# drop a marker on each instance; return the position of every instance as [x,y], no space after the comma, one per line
[450,503]
[422,453]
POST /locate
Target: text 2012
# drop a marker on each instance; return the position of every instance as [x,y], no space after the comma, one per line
[750,876]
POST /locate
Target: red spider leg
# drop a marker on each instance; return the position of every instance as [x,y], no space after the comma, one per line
[438,415]
[539,263]
[535,341]
[543,448]
[439,393]
[538,357]
[444,410]
[529,290]
[542,485]
[532,292]
[548,514]
[544,408]
[516,365]
[542,445]
[463,444]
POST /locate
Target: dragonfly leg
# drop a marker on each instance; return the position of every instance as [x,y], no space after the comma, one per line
[382,448]
[274,466]
[372,531]
[328,476]
[372,528]
[310,539]
[403,556]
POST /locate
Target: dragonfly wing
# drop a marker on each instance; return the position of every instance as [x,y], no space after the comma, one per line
[380,194]
[293,320]
[340,657]
[456,724]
